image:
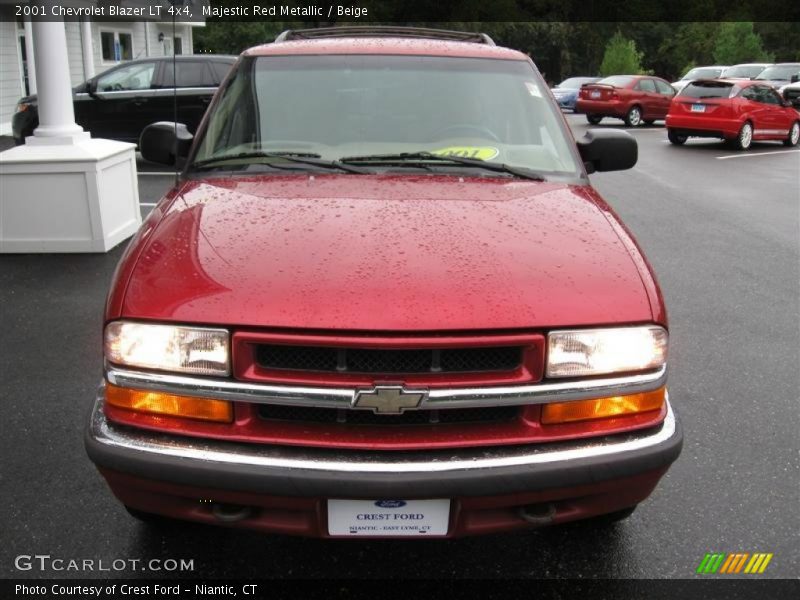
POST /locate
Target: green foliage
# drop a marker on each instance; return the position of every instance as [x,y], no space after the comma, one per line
[737,43]
[621,57]
[567,48]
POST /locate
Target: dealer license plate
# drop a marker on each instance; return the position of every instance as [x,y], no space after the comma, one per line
[595,94]
[698,108]
[388,517]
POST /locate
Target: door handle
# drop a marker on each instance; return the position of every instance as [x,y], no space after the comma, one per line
[139,101]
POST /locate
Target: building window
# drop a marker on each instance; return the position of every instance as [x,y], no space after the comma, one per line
[178,44]
[116,46]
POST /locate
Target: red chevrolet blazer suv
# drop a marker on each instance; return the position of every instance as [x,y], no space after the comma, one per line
[383,299]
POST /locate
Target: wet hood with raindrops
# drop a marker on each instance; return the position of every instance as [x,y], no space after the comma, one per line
[386,253]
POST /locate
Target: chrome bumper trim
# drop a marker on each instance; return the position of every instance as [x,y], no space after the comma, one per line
[258,393]
[147,444]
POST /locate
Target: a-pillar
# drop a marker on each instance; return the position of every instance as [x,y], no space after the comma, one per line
[63,191]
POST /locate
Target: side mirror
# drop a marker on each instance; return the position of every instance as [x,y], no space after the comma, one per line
[160,144]
[608,150]
[91,87]
[794,78]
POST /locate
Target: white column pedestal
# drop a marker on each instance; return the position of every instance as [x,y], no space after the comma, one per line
[81,196]
[63,191]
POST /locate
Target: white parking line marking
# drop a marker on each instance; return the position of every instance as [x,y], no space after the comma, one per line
[755,154]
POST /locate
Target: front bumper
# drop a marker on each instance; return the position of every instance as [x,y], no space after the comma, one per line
[168,474]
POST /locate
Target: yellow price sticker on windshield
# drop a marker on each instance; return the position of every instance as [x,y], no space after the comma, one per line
[476,152]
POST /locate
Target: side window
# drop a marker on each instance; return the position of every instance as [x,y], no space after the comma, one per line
[191,73]
[646,85]
[664,88]
[749,93]
[770,97]
[763,95]
[133,77]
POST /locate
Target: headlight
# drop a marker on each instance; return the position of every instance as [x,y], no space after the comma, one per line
[582,352]
[168,348]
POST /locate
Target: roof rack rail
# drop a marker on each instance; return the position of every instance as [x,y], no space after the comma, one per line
[384,31]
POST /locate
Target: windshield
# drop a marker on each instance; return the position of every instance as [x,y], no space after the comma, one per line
[743,71]
[341,106]
[574,83]
[779,72]
[703,73]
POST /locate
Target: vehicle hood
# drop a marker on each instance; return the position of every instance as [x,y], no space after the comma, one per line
[387,252]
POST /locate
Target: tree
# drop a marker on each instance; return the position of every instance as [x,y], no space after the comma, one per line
[738,43]
[621,57]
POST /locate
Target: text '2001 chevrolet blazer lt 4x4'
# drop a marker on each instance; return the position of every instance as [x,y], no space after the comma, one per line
[384,300]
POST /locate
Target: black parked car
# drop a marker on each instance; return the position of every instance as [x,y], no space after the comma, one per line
[120,102]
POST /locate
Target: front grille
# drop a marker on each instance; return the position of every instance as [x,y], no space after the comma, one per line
[388,362]
[489,414]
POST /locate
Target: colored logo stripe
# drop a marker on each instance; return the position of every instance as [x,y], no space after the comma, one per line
[720,562]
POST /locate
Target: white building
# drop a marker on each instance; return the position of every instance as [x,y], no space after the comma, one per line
[92,47]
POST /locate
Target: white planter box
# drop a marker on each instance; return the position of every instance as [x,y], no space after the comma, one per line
[81,197]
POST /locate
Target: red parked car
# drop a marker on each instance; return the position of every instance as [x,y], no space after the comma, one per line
[632,98]
[384,300]
[738,111]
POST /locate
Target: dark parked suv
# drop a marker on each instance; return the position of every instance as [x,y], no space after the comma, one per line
[120,102]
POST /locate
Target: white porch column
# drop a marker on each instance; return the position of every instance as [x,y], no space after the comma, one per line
[87,46]
[147,50]
[29,58]
[56,114]
[63,191]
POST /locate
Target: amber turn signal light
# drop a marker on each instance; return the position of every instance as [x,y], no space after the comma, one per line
[602,408]
[169,404]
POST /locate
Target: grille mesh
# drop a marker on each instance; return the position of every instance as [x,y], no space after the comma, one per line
[489,414]
[368,360]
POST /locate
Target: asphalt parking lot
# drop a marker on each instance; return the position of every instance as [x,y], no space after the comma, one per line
[722,230]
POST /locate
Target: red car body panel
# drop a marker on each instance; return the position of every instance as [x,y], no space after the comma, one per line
[726,116]
[617,101]
[386,253]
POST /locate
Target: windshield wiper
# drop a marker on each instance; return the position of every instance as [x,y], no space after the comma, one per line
[306,158]
[409,158]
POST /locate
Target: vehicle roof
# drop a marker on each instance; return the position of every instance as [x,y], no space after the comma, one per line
[709,67]
[752,65]
[180,57]
[731,81]
[385,45]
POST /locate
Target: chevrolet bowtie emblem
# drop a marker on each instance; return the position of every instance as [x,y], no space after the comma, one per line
[388,400]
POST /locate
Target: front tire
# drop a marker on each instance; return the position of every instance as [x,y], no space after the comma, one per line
[744,140]
[676,138]
[594,119]
[634,117]
[794,135]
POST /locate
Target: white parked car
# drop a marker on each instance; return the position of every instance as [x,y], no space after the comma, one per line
[745,70]
[791,92]
[712,72]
